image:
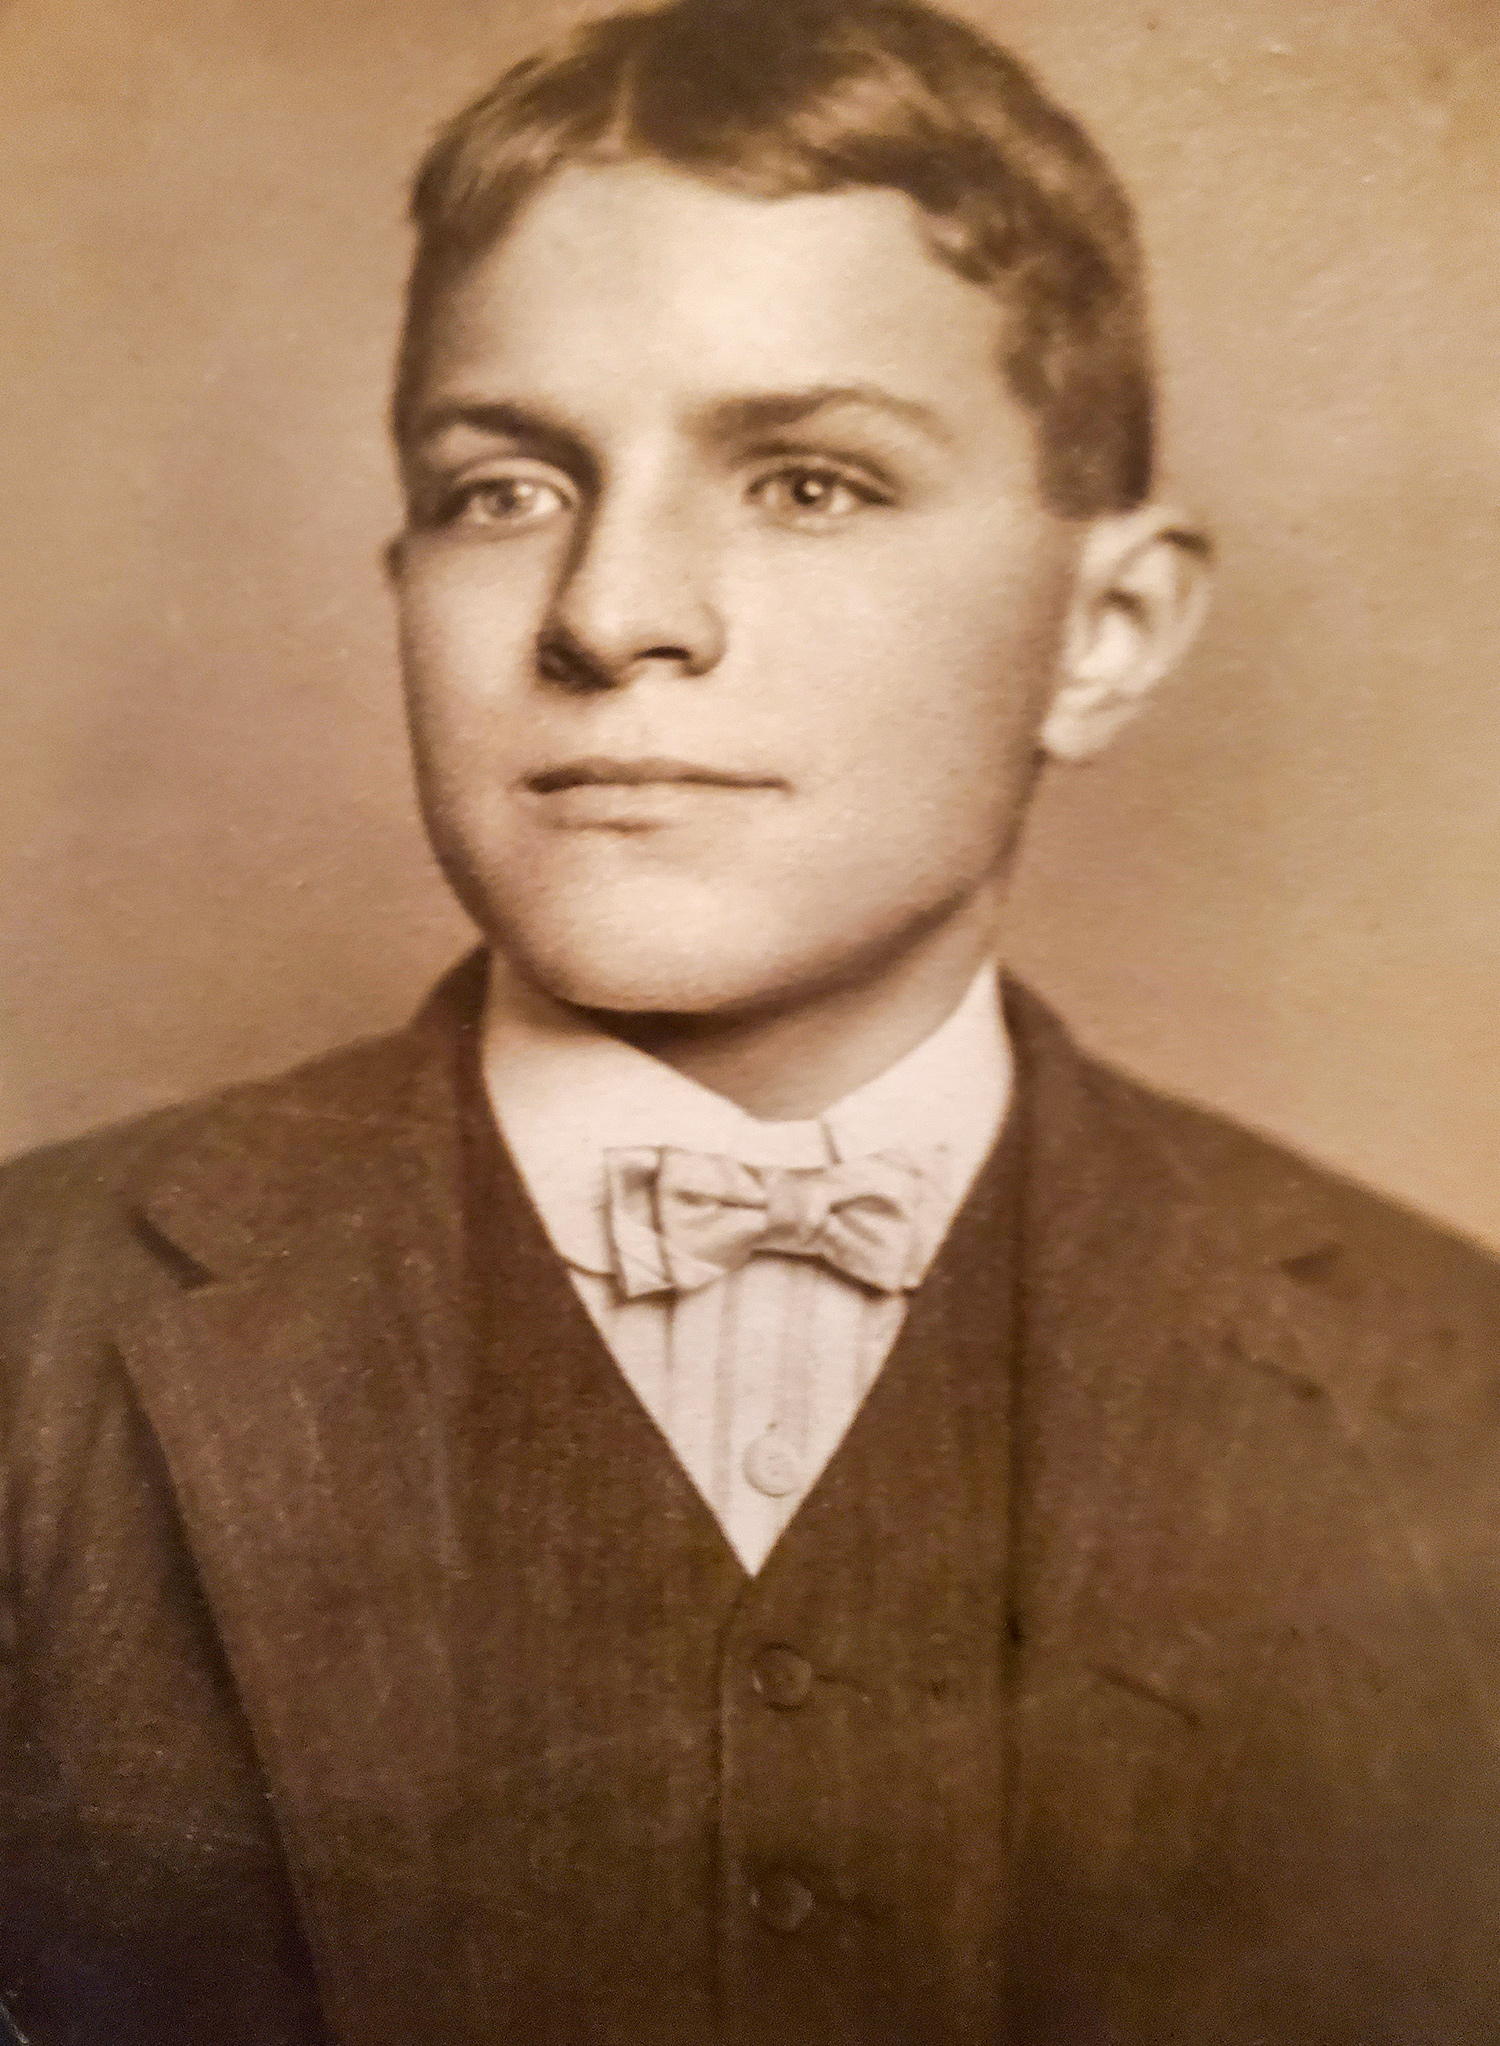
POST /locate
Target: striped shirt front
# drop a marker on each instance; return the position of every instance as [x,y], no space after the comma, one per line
[754,1378]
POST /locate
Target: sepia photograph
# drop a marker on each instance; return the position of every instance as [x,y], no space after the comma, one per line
[750,1223]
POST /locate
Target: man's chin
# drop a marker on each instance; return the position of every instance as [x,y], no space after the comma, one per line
[640,976]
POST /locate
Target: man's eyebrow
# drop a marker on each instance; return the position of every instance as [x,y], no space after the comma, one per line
[497,420]
[774,411]
[742,417]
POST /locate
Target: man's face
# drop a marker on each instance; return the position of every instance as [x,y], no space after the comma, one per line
[729,606]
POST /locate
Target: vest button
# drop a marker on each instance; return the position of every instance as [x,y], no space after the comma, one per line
[781,1901]
[782,1677]
[772,1466]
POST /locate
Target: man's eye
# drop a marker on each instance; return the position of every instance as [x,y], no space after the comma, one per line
[505,501]
[808,494]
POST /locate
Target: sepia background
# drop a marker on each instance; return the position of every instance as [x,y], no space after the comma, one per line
[1277,895]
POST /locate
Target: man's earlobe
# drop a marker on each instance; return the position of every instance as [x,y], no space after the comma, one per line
[1139,597]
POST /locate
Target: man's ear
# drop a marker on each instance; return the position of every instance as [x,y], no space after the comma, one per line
[1139,594]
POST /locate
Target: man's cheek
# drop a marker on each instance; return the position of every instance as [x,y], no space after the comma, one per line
[463,706]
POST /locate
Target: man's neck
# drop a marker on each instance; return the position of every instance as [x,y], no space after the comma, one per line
[785,1062]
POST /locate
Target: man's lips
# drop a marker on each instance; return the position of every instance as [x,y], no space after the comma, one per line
[600,771]
[640,795]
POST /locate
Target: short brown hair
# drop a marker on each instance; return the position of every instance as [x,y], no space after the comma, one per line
[778,97]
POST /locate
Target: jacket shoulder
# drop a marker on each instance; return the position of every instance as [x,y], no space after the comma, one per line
[45,1188]
[1396,1316]
[67,1212]
[1313,1223]
[1280,1205]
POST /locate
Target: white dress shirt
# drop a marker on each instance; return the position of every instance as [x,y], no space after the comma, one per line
[754,1378]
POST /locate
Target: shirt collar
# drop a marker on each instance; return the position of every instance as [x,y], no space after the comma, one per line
[564,1092]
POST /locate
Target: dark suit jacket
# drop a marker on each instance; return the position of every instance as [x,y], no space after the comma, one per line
[1256,1496]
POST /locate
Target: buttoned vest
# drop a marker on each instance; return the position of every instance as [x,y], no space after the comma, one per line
[705,1808]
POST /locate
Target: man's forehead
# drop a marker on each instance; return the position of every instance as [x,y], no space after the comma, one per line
[636,276]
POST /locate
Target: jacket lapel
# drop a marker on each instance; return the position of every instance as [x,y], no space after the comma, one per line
[1164,1378]
[296,1330]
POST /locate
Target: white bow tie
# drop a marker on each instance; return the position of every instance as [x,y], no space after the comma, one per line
[680,1219]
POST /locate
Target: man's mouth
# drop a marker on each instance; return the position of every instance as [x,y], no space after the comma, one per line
[645,794]
[602,771]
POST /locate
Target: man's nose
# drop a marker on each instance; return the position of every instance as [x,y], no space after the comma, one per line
[635,597]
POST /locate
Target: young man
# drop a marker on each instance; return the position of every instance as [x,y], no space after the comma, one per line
[726,1486]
